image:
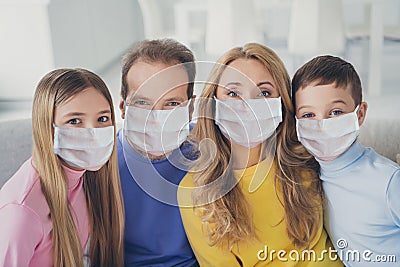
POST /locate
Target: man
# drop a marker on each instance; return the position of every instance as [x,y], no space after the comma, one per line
[157,86]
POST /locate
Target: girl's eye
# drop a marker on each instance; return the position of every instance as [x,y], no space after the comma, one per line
[74,121]
[308,115]
[232,94]
[264,93]
[336,112]
[103,119]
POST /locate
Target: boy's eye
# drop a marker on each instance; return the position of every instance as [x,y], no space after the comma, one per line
[103,119]
[308,115]
[74,121]
[336,112]
[264,93]
[232,94]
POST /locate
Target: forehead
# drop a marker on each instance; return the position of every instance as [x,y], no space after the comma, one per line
[89,100]
[156,78]
[320,95]
[246,70]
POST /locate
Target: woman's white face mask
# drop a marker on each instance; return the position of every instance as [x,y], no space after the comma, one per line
[327,139]
[248,122]
[84,148]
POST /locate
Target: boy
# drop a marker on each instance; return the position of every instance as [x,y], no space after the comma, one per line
[157,82]
[362,213]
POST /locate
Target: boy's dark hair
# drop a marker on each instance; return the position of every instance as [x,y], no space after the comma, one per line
[326,70]
[167,51]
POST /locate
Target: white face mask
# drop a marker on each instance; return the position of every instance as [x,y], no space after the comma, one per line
[156,132]
[248,122]
[328,138]
[85,148]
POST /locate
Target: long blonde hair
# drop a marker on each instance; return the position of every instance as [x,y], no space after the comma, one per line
[230,215]
[102,188]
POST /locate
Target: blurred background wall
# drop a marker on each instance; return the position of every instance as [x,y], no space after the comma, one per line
[37,36]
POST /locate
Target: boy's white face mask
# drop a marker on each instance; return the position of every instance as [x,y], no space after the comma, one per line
[328,138]
[248,122]
[156,132]
[85,148]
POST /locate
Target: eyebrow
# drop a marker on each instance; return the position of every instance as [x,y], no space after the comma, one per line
[73,114]
[333,102]
[258,84]
[262,83]
[139,97]
[338,101]
[305,106]
[104,111]
[175,98]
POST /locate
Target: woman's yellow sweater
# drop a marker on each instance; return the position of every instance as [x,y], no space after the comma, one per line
[273,247]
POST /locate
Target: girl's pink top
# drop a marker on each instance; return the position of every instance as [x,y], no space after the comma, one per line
[25,223]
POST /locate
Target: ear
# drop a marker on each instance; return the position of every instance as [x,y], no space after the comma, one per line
[191,107]
[362,112]
[122,108]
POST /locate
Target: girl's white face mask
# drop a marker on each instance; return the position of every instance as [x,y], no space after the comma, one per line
[248,122]
[85,148]
[157,132]
[328,138]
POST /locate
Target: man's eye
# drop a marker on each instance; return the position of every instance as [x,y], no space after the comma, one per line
[103,119]
[74,121]
[140,102]
[173,104]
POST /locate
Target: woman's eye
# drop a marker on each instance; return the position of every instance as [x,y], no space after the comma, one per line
[232,94]
[308,115]
[74,121]
[103,119]
[336,112]
[264,93]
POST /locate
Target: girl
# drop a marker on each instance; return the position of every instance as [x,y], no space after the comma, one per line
[70,189]
[251,201]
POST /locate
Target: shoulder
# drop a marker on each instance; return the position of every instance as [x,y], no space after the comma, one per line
[24,189]
[381,162]
[185,190]
[20,185]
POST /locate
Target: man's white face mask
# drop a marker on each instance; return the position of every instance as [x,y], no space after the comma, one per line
[157,132]
[328,138]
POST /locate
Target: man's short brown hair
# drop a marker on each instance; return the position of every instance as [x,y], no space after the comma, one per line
[167,51]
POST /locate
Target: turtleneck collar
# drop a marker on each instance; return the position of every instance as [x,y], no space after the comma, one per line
[347,158]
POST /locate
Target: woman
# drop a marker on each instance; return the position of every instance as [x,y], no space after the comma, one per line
[251,200]
[67,197]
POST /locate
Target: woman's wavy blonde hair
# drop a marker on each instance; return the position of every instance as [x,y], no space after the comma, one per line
[102,188]
[230,215]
